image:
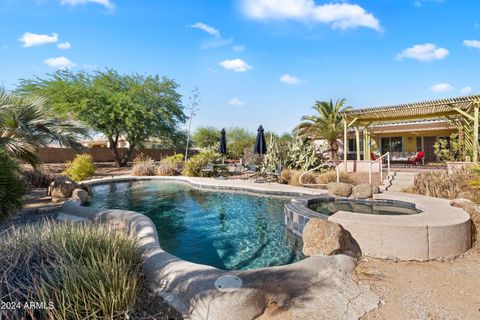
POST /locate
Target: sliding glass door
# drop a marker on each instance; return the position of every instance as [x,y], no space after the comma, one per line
[391,144]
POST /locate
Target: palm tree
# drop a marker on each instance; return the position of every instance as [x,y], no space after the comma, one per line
[327,125]
[25,125]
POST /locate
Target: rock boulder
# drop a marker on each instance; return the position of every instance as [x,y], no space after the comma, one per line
[62,188]
[339,189]
[362,191]
[82,195]
[325,237]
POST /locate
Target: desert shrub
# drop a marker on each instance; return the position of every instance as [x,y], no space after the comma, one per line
[292,177]
[444,185]
[171,166]
[11,188]
[194,165]
[81,168]
[85,271]
[143,166]
[331,176]
[36,178]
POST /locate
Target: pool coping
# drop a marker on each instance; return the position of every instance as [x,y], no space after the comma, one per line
[190,289]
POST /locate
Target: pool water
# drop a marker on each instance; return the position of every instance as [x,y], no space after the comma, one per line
[366,207]
[230,231]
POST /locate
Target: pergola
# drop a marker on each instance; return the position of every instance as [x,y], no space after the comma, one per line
[462,113]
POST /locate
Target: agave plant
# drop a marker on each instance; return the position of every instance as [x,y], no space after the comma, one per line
[327,125]
[25,125]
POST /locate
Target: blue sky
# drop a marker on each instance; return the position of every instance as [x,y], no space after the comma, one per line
[255,61]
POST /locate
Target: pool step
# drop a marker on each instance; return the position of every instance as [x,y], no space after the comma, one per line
[400,180]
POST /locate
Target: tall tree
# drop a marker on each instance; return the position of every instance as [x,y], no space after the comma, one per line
[26,125]
[327,124]
[206,137]
[133,107]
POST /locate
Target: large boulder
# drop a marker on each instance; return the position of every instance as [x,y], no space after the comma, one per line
[325,237]
[362,191]
[339,189]
[62,188]
[81,195]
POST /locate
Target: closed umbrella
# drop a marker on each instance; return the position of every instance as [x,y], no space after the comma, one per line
[260,145]
[223,145]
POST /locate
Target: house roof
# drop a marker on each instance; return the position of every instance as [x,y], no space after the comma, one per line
[435,109]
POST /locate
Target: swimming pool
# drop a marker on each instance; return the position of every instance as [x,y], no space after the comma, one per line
[226,230]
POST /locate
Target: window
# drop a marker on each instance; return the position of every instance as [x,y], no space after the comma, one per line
[352,146]
[391,144]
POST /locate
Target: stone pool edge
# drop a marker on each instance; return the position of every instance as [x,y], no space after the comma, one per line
[189,287]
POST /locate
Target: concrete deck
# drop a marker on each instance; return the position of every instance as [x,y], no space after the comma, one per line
[319,287]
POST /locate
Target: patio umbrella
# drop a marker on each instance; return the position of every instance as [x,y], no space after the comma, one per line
[260,145]
[223,145]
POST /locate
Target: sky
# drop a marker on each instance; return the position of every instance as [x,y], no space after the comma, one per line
[255,61]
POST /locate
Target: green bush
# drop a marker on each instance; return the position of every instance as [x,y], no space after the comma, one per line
[194,165]
[143,166]
[85,271]
[171,166]
[81,168]
[11,189]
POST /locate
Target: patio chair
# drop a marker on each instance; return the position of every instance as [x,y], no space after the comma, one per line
[419,158]
[250,171]
[208,169]
[275,174]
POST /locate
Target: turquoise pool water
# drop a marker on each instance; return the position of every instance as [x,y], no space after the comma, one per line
[227,230]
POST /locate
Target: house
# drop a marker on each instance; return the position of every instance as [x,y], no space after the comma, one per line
[403,129]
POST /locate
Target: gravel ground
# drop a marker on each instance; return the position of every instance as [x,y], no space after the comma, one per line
[424,290]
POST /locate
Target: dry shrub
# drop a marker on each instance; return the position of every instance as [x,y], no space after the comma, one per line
[39,178]
[331,176]
[292,177]
[143,166]
[171,166]
[444,185]
[84,270]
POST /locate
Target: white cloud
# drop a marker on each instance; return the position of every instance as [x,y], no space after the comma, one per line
[466,90]
[210,30]
[216,43]
[59,63]
[441,88]
[32,39]
[419,3]
[64,45]
[237,65]
[106,3]
[89,66]
[289,79]
[337,15]
[423,52]
[236,102]
[239,48]
[472,43]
